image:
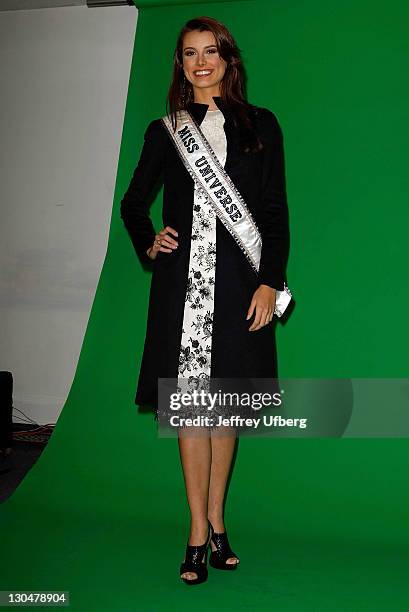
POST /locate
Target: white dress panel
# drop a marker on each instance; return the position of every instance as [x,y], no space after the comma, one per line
[196,340]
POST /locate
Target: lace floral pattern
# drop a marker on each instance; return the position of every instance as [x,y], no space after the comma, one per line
[196,342]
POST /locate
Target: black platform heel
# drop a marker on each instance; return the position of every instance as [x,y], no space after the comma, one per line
[223,552]
[196,561]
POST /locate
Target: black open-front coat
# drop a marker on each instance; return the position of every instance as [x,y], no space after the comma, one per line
[260,178]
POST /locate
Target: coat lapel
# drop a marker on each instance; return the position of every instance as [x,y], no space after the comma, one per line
[199,110]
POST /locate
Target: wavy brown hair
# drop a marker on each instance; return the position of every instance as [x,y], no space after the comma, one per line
[231,86]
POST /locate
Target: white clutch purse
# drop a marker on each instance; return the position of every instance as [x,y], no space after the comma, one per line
[283,298]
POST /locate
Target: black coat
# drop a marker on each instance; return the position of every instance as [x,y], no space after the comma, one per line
[260,178]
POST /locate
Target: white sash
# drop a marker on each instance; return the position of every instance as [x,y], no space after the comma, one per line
[213,182]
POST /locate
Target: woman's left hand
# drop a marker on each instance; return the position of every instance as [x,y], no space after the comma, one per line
[263,303]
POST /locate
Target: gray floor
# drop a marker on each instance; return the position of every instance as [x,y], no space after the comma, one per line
[14,467]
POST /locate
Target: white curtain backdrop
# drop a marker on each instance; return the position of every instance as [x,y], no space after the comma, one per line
[64,75]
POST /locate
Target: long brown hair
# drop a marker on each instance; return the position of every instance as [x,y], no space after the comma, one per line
[231,86]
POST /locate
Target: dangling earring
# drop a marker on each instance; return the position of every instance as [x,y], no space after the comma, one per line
[183,91]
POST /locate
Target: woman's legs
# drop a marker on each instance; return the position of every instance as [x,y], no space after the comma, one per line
[206,462]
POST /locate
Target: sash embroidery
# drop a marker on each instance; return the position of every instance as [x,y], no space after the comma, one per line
[213,182]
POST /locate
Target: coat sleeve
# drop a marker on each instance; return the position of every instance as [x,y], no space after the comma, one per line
[273,217]
[135,204]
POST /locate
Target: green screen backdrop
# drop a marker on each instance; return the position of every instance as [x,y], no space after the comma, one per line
[320,524]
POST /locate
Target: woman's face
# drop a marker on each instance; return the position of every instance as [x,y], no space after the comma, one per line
[202,64]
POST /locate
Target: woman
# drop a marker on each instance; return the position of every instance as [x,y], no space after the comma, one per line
[210,315]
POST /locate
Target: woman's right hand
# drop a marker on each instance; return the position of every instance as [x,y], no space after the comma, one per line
[163,242]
